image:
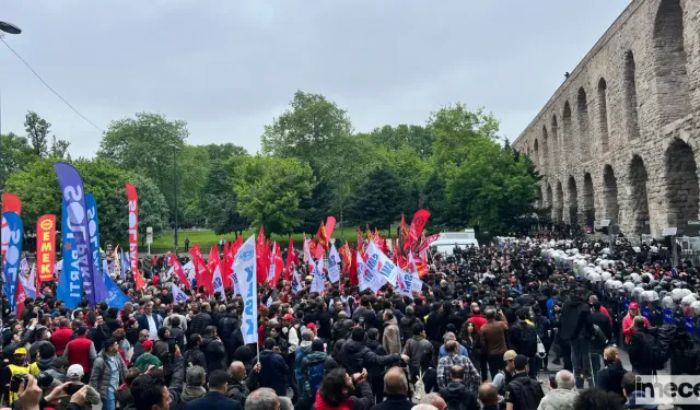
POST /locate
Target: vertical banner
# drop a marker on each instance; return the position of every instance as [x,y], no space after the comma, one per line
[70,284]
[46,248]
[333,265]
[73,196]
[98,274]
[10,203]
[133,199]
[13,233]
[245,271]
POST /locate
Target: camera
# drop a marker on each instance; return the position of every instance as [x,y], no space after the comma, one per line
[44,380]
[72,388]
[17,381]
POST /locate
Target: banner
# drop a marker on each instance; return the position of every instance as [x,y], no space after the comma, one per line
[333,265]
[10,203]
[124,265]
[98,275]
[362,271]
[245,270]
[297,283]
[178,295]
[70,284]
[179,272]
[318,281]
[115,298]
[27,276]
[201,273]
[14,232]
[133,201]
[383,269]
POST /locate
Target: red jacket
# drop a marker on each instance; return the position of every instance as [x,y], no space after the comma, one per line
[628,327]
[60,339]
[81,351]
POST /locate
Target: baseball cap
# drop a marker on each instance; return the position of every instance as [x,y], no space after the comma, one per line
[509,355]
[520,362]
[20,350]
[75,371]
[311,326]
[147,344]
[288,317]
[634,305]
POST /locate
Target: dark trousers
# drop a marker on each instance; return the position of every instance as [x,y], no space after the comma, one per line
[495,362]
[565,351]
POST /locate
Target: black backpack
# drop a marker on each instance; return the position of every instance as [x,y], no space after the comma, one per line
[528,340]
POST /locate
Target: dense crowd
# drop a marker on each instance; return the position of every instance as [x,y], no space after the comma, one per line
[488,324]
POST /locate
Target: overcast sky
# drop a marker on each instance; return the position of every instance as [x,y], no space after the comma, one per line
[229,67]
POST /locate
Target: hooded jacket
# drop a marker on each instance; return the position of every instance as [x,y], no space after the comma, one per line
[458,397]
[356,356]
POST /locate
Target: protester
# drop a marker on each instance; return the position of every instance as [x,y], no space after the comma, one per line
[562,395]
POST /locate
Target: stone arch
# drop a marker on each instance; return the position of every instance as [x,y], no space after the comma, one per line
[611,204]
[583,119]
[682,189]
[671,75]
[539,199]
[554,128]
[549,198]
[629,85]
[572,193]
[536,151]
[639,201]
[588,200]
[566,130]
[558,207]
[603,114]
[545,147]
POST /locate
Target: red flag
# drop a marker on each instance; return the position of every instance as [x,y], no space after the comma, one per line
[200,268]
[403,233]
[420,219]
[262,256]
[425,242]
[292,260]
[360,241]
[346,257]
[177,268]
[138,279]
[133,200]
[213,262]
[227,266]
[381,242]
[11,203]
[46,248]
[330,227]
[276,264]
[20,297]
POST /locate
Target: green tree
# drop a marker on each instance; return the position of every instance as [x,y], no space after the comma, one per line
[308,131]
[219,204]
[37,186]
[146,144]
[37,132]
[455,128]
[415,137]
[376,201]
[224,152]
[15,154]
[193,164]
[270,191]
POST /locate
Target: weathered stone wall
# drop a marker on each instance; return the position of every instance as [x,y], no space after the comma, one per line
[620,137]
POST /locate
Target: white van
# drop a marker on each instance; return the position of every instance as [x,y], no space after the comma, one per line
[447,241]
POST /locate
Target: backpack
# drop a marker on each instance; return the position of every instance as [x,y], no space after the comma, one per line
[315,370]
[528,340]
[598,339]
[657,343]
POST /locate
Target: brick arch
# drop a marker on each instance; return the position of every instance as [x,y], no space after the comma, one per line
[556,151]
[572,195]
[588,200]
[629,88]
[611,205]
[670,69]
[603,114]
[584,140]
[536,151]
[639,200]
[681,181]
[558,208]
[545,147]
[549,196]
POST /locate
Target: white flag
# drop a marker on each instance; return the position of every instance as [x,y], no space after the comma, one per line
[318,281]
[362,272]
[178,295]
[383,269]
[297,284]
[244,267]
[333,265]
[189,271]
[218,282]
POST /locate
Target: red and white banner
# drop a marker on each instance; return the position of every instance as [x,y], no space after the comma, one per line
[133,199]
[177,268]
[46,248]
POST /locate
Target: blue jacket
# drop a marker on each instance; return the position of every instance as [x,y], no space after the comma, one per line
[213,400]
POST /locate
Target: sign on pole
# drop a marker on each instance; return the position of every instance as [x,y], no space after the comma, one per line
[149,237]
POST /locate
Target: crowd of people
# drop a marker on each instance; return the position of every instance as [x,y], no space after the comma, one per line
[489,326]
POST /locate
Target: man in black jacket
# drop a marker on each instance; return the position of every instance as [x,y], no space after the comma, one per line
[213,349]
[575,335]
[396,391]
[274,372]
[523,392]
[357,356]
[216,397]
[456,394]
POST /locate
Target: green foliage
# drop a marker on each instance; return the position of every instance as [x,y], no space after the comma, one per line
[377,200]
[147,144]
[270,191]
[455,128]
[37,187]
[308,130]
[15,154]
[219,203]
[37,130]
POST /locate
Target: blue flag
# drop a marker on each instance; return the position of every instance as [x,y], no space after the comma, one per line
[98,274]
[73,195]
[13,256]
[124,265]
[244,266]
[115,297]
[70,284]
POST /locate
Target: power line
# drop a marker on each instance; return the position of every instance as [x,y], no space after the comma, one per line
[75,110]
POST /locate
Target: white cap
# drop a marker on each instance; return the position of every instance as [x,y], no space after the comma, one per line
[75,371]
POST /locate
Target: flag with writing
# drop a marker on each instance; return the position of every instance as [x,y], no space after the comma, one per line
[245,270]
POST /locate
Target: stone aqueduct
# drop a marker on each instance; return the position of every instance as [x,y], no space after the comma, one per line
[620,138]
